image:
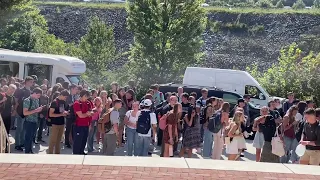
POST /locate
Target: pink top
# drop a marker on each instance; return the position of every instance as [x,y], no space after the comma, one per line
[96,115]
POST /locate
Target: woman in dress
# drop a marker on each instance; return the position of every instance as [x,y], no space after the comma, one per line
[171,131]
[191,135]
[236,137]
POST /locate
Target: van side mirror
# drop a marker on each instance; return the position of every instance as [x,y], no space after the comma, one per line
[261,96]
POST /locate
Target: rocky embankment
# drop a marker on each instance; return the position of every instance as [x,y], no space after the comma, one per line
[245,39]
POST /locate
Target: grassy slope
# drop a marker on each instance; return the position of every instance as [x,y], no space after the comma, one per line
[209,9]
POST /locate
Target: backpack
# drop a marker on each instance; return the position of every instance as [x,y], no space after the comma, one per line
[20,105]
[215,124]
[203,114]
[48,116]
[144,122]
[73,115]
[104,123]
[163,122]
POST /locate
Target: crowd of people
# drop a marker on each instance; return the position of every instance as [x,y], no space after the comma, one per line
[178,122]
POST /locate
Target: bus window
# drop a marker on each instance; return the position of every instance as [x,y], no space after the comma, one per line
[9,69]
[41,71]
[230,98]
[59,80]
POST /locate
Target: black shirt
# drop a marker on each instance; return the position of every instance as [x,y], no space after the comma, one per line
[275,114]
[7,106]
[268,128]
[166,109]
[311,132]
[185,109]
[56,105]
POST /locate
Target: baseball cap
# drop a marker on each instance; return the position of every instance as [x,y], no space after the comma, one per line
[147,102]
[240,100]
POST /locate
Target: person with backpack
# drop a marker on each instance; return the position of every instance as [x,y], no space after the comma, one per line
[31,110]
[205,114]
[111,120]
[146,121]
[83,111]
[57,113]
[20,95]
[217,124]
[158,96]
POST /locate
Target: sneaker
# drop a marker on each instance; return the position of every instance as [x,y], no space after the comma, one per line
[35,142]
[41,141]
[19,148]
[68,146]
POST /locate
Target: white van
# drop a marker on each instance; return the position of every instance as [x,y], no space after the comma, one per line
[240,82]
[55,68]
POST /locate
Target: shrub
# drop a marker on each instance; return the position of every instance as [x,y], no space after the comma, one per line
[299,5]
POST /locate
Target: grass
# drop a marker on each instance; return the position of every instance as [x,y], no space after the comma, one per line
[209,9]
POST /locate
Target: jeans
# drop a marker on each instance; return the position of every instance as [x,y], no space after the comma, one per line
[143,144]
[30,130]
[80,134]
[41,122]
[20,131]
[290,146]
[201,133]
[207,143]
[131,141]
[92,133]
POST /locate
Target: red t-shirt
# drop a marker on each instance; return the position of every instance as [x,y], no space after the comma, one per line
[84,108]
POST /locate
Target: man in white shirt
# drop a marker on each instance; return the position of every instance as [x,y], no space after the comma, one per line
[146,121]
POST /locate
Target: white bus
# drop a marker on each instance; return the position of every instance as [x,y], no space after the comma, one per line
[54,68]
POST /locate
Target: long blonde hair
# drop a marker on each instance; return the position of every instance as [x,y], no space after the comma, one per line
[237,118]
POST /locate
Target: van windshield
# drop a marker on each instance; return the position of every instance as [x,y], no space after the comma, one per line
[75,79]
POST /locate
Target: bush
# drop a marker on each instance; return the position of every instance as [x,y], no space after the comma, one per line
[264,4]
[279,4]
[299,5]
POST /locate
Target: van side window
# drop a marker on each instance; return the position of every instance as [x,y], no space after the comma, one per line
[230,98]
[254,92]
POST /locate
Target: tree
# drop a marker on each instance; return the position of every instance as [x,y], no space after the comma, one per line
[299,5]
[7,4]
[97,47]
[167,38]
[294,73]
[280,4]
[316,3]
[264,4]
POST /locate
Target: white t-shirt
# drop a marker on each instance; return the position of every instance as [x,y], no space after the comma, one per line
[299,117]
[153,121]
[132,119]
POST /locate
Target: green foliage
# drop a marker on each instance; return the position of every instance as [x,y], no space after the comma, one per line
[310,42]
[293,73]
[256,29]
[299,5]
[8,4]
[167,38]
[264,4]
[279,4]
[97,47]
[316,4]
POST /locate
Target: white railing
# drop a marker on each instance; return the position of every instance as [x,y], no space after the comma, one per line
[4,137]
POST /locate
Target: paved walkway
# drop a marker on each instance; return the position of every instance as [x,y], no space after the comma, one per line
[122,151]
[57,167]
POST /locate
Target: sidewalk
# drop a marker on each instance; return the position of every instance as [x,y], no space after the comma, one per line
[14,166]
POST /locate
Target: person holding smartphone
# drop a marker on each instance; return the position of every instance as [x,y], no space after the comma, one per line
[57,113]
[31,110]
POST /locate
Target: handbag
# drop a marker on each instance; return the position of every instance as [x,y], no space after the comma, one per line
[277,144]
